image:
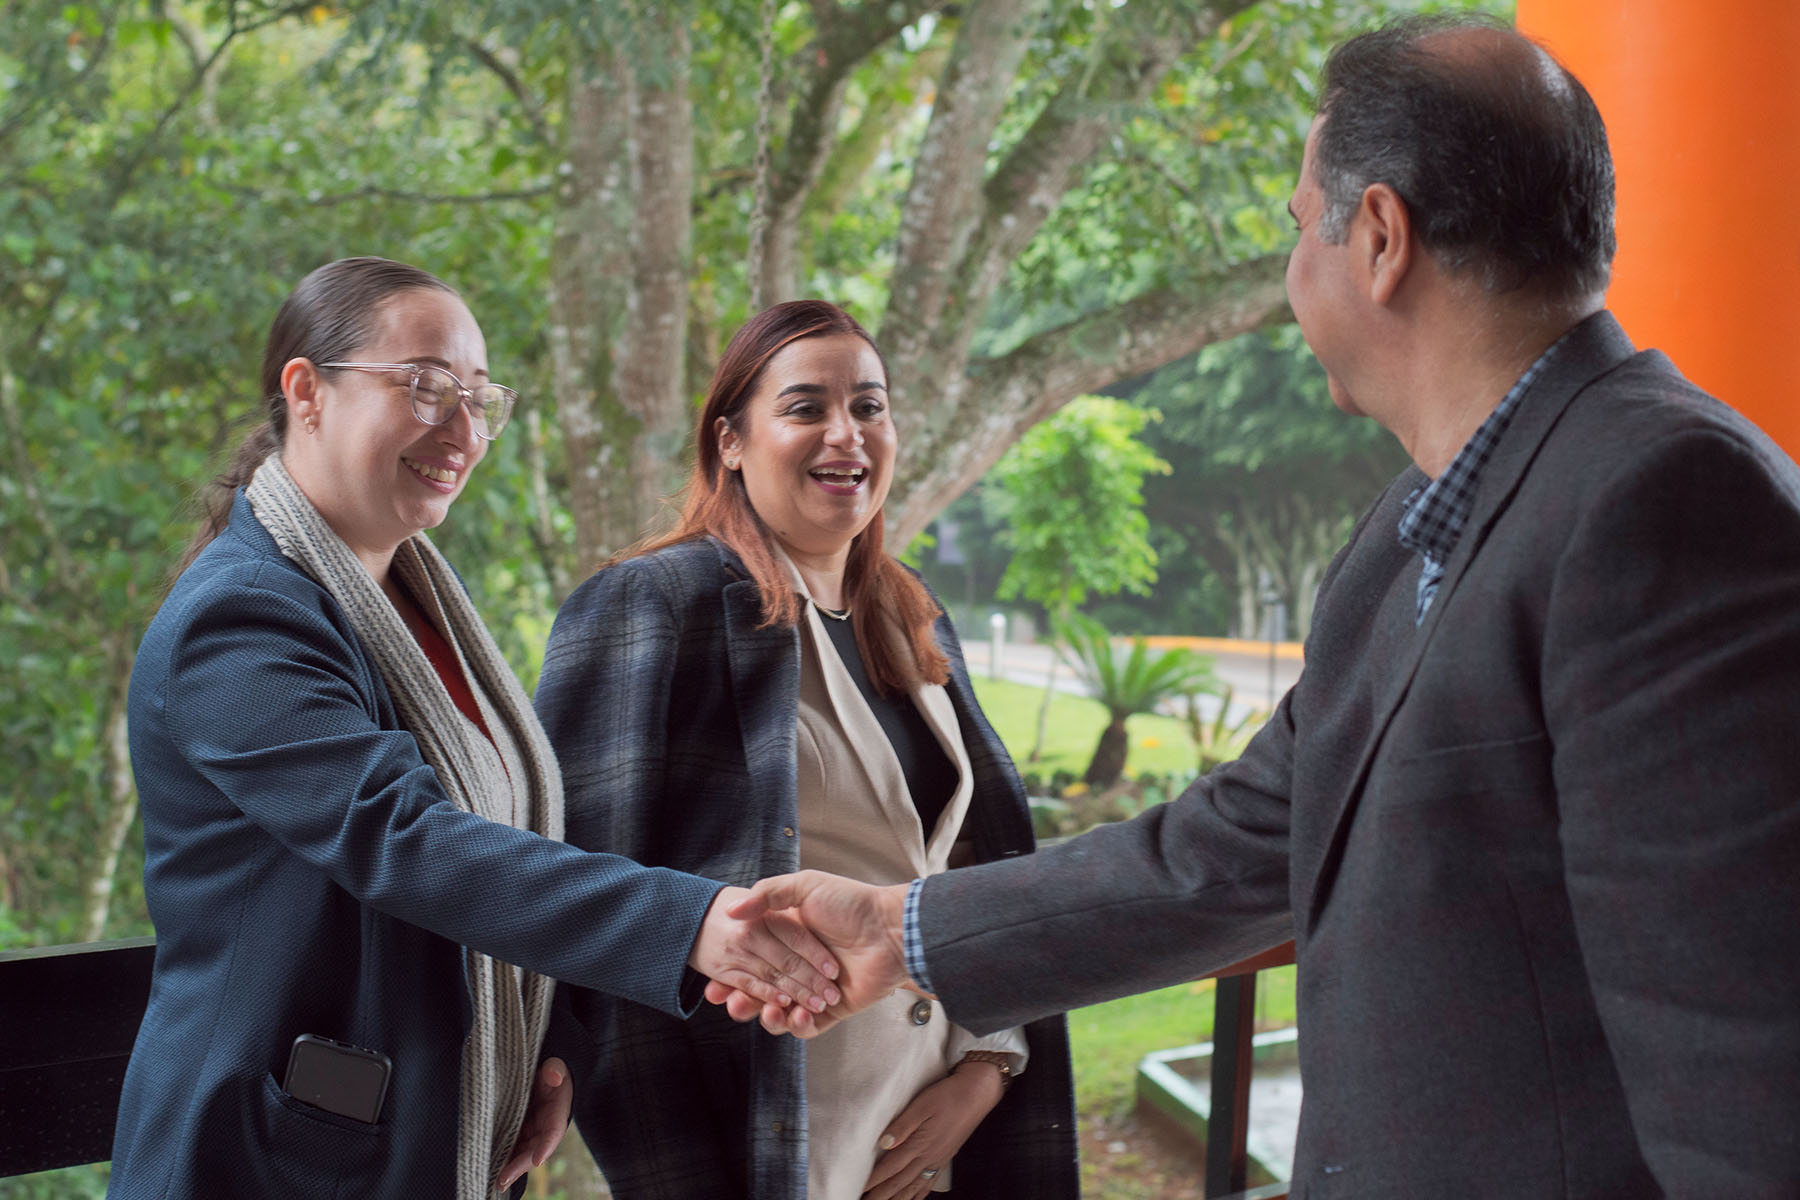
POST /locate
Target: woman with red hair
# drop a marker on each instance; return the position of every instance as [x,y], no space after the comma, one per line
[764,689]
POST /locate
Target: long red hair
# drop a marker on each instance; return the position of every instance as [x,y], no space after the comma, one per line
[882,592]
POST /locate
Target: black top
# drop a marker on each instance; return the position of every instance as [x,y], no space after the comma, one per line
[930,774]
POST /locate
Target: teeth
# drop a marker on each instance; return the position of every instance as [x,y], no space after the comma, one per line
[437,473]
[853,474]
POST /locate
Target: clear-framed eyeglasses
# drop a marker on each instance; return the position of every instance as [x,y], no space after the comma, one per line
[436,394]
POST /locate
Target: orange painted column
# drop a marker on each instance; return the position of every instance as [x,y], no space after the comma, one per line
[1702,106]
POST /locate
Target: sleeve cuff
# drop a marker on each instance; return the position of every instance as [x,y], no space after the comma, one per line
[915,944]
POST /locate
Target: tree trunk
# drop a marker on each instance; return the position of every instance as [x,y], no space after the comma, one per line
[619,287]
[117,793]
[590,259]
[1109,755]
[652,354]
[1043,721]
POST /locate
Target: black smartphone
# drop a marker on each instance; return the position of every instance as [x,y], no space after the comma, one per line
[337,1077]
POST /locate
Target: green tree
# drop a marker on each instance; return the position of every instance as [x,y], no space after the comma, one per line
[1126,681]
[1069,498]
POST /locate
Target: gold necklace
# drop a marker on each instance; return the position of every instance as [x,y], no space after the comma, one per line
[836,614]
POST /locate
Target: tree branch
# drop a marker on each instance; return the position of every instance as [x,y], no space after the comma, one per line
[943,198]
[1000,398]
[534,110]
[384,193]
[845,38]
[1145,41]
[128,168]
[36,100]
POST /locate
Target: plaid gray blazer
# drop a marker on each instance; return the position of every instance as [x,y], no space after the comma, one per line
[674,718]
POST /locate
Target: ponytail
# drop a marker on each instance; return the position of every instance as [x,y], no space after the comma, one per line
[214,500]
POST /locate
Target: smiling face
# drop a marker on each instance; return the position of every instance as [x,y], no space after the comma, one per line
[375,472]
[815,443]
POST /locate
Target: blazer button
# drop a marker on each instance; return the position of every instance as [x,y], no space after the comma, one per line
[921,1013]
[787,831]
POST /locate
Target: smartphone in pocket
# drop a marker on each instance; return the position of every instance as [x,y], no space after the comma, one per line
[338,1077]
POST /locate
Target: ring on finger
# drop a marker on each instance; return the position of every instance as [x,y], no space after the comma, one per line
[930,1173]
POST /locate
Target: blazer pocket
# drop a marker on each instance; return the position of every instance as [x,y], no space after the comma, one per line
[1508,766]
[303,1145]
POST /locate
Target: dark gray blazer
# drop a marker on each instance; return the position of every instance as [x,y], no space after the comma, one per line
[1541,854]
[674,718]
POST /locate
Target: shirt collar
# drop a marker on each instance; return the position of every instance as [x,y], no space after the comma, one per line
[1437,511]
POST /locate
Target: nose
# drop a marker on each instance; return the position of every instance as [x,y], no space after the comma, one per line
[459,430]
[841,428]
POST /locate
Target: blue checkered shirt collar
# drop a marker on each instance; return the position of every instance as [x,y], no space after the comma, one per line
[1437,511]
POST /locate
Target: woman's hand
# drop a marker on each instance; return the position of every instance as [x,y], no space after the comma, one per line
[860,922]
[929,1131]
[546,1118]
[769,956]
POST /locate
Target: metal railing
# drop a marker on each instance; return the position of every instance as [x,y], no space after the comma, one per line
[69,1014]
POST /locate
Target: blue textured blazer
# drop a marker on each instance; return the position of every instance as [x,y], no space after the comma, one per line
[675,720]
[306,874]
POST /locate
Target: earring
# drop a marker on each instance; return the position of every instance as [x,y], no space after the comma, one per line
[312,426]
[731,464]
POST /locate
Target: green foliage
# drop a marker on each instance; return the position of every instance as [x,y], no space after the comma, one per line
[1133,679]
[167,171]
[1223,738]
[1126,682]
[1070,493]
[1272,474]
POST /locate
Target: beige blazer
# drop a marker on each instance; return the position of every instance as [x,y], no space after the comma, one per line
[857,818]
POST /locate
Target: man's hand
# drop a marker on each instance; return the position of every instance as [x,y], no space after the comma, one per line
[860,922]
[767,956]
[546,1117]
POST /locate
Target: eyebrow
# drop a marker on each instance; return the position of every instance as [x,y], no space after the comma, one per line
[432,360]
[819,389]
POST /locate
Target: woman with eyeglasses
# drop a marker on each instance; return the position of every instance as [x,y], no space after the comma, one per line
[763,689]
[352,819]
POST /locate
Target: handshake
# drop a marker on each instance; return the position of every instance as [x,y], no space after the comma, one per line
[802,952]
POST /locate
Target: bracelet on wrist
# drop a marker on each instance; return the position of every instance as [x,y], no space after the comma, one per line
[999,1060]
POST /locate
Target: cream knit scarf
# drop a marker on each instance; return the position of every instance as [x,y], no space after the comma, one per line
[511,1006]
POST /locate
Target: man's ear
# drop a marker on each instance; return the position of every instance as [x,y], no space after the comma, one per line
[1382,235]
[300,385]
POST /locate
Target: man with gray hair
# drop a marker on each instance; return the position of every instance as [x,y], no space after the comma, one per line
[1532,811]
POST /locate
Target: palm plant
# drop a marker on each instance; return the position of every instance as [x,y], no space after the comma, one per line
[1220,740]
[1126,681]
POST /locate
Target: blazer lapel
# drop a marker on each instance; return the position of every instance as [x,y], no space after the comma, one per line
[764,662]
[1593,348]
[933,703]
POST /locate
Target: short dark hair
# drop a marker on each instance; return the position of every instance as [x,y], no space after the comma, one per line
[1501,158]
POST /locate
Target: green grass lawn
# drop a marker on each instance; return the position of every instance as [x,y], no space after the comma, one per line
[1159,744]
[1107,1041]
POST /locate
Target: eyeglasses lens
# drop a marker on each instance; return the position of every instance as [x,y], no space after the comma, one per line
[436,396]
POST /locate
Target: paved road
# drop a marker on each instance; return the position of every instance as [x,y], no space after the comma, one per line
[1245,666]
